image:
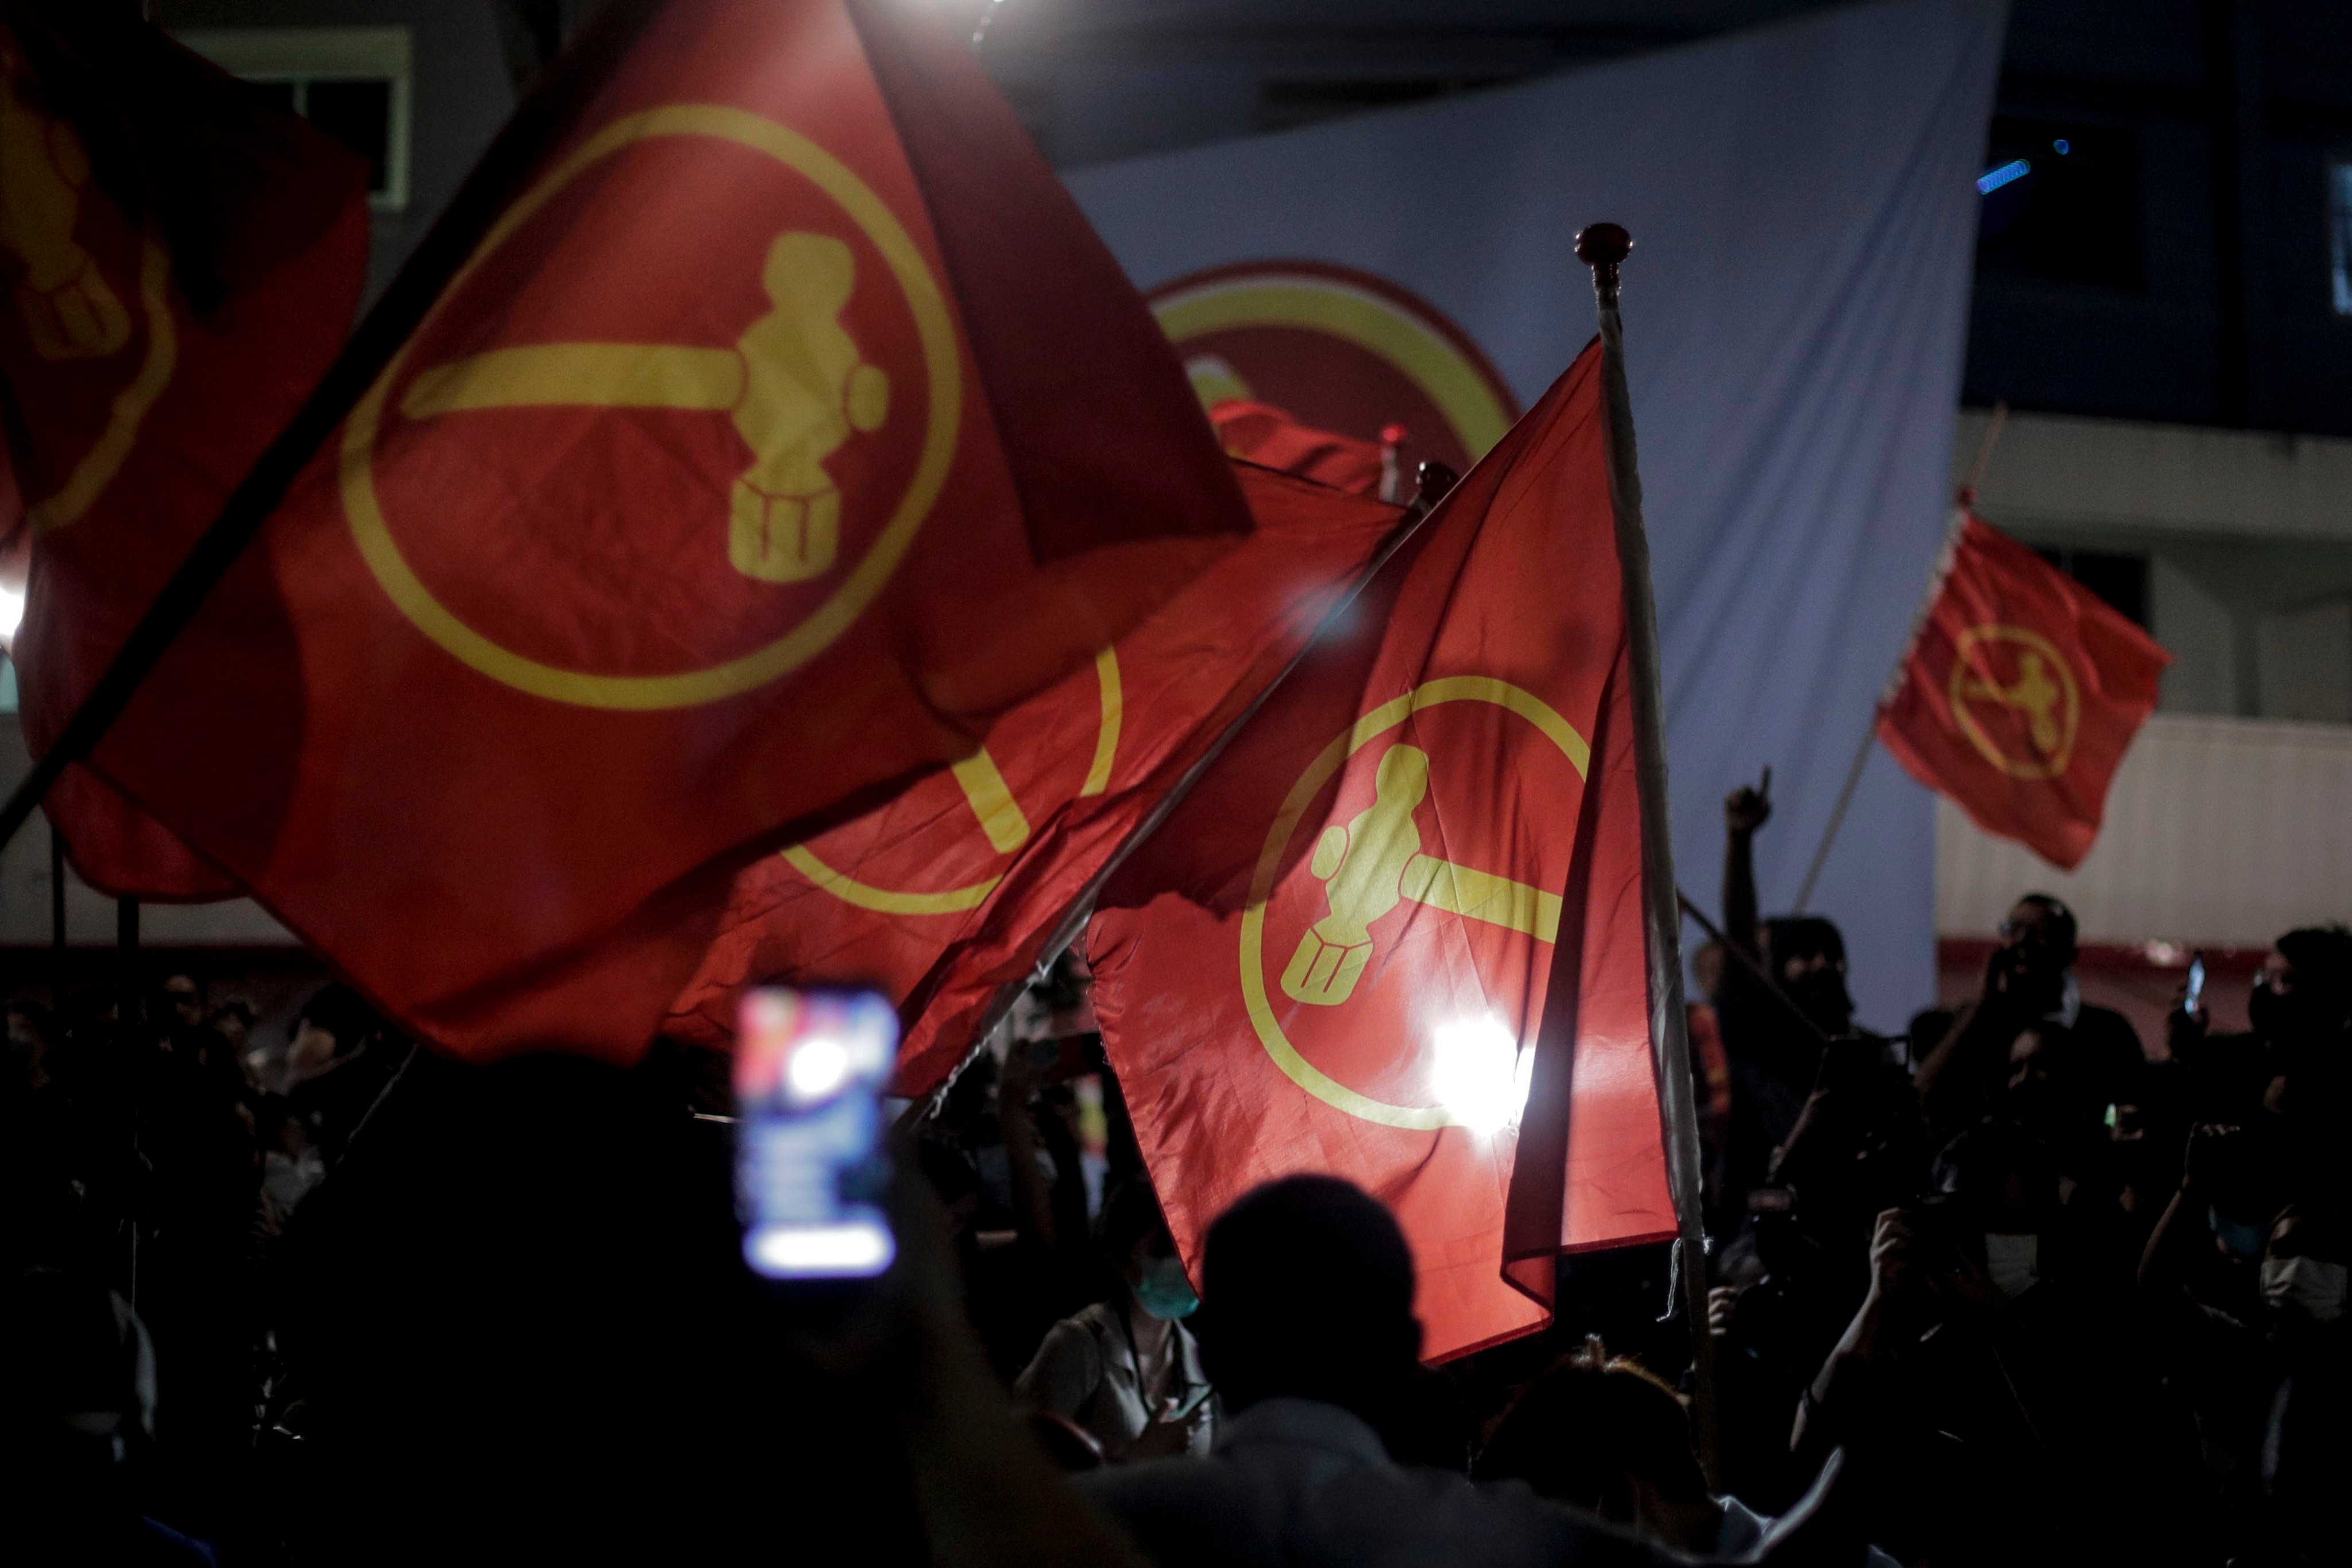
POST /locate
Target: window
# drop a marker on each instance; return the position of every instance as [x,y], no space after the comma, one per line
[350,82]
[2339,232]
[2120,580]
[2061,203]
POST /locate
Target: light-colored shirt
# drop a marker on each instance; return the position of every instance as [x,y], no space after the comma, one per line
[1087,1370]
[1303,1484]
[1742,1531]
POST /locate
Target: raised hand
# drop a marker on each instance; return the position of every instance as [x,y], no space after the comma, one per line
[1749,807]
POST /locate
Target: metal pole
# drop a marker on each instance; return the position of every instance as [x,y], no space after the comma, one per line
[1755,971]
[130,1049]
[57,904]
[128,1006]
[1837,814]
[1601,247]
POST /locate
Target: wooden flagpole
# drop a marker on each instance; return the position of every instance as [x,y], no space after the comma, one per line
[1602,247]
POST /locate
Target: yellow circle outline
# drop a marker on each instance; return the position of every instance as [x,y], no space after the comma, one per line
[2065,756]
[1355,316]
[805,641]
[1378,722]
[971,895]
[113,448]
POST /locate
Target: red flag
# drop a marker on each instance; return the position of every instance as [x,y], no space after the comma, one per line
[1260,433]
[2018,695]
[1419,860]
[788,427]
[186,262]
[948,893]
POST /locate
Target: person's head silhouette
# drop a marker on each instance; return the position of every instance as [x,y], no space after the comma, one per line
[1308,1287]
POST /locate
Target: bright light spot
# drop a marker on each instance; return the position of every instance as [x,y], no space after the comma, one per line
[2062,146]
[856,1249]
[1992,180]
[1478,1072]
[820,1065]
[12,611]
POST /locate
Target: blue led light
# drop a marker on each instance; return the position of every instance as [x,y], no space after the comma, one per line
[1992,180]
[2062,146]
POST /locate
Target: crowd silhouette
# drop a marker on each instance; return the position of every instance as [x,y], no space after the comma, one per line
[2018,1286]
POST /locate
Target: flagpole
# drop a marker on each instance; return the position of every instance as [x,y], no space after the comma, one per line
[1837,812]
[1967,501]
[545,116]
[1602,247]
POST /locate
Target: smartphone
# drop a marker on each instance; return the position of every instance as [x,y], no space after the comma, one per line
[2195,983]
[810,1168]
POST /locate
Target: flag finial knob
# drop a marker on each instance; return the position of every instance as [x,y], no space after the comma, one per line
[1602,246]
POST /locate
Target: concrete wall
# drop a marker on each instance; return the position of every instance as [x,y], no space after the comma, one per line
[2220,831]
[2248,536]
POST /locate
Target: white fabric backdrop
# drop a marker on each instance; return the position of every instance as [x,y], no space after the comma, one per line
[1803,210]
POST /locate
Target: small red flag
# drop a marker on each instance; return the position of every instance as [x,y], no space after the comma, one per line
[787,429]
[186,260]
[948,893]
[1395,933]
[1260,433]
[2020,691]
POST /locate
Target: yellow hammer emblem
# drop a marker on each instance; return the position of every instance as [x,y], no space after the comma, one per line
[795,383]
[1375,863]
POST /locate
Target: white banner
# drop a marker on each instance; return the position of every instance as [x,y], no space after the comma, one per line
[1803,210]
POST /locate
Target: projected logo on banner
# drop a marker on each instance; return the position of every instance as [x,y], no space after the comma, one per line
[1341,350]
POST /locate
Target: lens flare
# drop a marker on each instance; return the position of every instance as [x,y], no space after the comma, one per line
[1478,1072]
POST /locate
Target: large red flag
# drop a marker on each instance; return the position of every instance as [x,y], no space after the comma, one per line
[185,262]
[1395,934]
[948,894]
[788,427]
[2018,695]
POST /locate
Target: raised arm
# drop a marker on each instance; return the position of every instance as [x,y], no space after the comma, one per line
[1745,810]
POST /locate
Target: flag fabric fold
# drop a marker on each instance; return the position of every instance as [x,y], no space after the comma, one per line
[1394,933]
[186,260]
[1260,433]
[708,506]
[948,894]
[2018,695]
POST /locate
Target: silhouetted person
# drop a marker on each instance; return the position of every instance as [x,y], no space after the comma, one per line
[1604,1434]
[1310,1333]
[1126,1370]
[2029,983]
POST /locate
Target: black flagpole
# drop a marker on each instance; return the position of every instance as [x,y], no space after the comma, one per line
[1601,247]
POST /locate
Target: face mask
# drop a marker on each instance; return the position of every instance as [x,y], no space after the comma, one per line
[1164,1292]
[2309,1287]
[2239,1239]
[2013,1261]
